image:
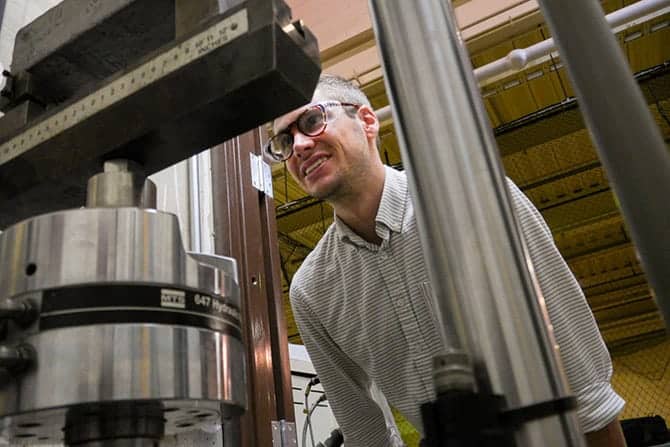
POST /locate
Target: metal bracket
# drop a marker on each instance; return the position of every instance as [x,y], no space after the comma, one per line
[284,434]
[261,174]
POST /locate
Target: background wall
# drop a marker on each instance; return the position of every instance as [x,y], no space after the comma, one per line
[17,14]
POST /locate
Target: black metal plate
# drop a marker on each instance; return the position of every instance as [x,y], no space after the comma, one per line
[248,82]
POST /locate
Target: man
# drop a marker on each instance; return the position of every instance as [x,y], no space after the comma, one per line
[361,298]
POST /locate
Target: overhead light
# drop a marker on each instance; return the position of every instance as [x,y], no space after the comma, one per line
[660,25]
[633,36]
[556,66]
[511,84]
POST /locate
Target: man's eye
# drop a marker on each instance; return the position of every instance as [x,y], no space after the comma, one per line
[285,139]
[311,121]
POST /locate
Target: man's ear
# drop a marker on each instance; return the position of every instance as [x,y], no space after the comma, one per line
[370,121]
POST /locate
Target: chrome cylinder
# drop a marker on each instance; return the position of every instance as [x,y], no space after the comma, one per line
[477,264]
[127,320]
[628,140]
[122,183]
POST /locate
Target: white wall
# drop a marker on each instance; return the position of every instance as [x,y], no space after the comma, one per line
[185,189]
[18,13]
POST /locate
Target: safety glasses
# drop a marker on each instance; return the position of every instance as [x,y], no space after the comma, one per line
[312,123]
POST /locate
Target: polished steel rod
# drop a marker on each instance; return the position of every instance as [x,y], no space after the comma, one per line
[628,141]
[485,295]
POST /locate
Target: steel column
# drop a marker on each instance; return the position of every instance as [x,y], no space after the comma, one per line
[628,141]
[478,265]
[245,227]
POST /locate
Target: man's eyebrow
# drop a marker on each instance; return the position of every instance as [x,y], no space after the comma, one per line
[284,128]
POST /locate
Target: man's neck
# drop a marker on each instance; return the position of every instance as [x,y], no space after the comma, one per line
[359,209]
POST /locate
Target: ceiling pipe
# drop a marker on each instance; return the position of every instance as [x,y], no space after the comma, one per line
[520,58]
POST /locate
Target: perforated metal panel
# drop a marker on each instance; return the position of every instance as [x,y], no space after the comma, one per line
[644,372]
[210,438]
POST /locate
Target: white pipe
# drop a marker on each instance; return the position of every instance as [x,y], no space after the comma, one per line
[194,208]
[206,202]
[518,59]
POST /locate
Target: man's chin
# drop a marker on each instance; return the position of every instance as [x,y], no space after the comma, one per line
[319,189]
[323,192]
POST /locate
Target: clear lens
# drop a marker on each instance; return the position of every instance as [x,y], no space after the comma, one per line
[312,121]
[280,146]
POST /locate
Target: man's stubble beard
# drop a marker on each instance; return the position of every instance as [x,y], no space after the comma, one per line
[343,188]
[332,193]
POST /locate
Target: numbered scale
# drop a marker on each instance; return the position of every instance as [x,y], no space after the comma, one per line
[128,84]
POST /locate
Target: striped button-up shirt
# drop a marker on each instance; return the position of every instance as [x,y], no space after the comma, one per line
[365,315]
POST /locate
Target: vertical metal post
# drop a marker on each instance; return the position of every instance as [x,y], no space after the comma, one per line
[194,199]
[478,267]
[245,228]
[3,3]
[628,141]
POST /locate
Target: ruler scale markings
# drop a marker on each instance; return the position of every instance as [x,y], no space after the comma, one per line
[133,81]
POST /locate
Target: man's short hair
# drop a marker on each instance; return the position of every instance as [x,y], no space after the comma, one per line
[339,89]
[336,88]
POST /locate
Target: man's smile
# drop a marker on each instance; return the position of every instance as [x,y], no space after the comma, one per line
[312,164]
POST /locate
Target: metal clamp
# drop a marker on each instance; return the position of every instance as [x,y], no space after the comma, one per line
[261,174]
[15,360]
[284,434]
[22,312]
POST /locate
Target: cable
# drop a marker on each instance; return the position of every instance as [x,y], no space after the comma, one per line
[308,422]
[312,382]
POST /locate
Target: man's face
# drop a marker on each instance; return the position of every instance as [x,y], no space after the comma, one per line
[329,165]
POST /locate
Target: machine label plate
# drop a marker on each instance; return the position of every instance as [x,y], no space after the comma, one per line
[124,86]
[173,298]
[100,304]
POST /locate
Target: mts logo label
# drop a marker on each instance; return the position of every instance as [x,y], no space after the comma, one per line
[173,298]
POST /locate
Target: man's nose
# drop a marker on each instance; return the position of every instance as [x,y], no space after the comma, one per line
[301,143]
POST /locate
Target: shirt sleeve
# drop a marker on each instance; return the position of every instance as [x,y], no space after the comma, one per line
[585,358]
[346,385]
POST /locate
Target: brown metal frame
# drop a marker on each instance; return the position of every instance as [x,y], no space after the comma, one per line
[245,228]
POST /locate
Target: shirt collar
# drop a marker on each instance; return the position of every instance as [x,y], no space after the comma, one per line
[391,213]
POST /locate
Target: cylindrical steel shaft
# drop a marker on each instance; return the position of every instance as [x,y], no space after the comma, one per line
[472,247]
[629,143]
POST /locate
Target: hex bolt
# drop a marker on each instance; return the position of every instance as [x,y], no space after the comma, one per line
[16,359]
[22,312]
[453,371]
